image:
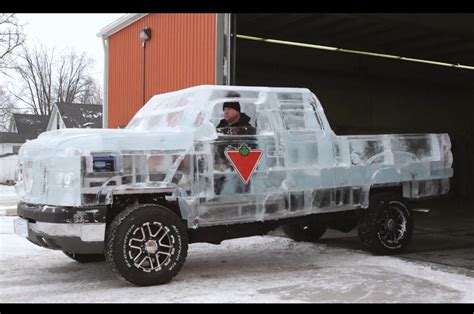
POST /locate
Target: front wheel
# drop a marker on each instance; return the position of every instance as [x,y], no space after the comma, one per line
[386,227]
[146,245]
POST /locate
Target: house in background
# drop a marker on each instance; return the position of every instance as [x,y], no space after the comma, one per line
[73,115]
[29,125]
[23,127]
[10,143]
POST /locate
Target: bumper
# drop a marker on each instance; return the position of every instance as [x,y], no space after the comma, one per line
[79,230]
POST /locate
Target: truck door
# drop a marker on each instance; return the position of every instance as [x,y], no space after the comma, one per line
[227,179]
[233,198]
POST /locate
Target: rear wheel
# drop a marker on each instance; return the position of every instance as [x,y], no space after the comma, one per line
[85,258]
[146,245]
[306,231]
[386,227]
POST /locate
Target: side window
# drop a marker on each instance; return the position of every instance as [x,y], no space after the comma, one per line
[16,149]
[264,122]
[299,117]
[235,123]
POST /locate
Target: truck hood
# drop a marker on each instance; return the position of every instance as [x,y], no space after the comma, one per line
[75,142]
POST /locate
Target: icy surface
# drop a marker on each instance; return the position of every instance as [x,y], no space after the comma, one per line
[172,145]
[253,270]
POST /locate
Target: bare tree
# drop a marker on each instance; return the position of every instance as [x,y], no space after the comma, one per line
[11,38]
[47,80]
[35,71]
[73,84]
[6,109]
[90,92]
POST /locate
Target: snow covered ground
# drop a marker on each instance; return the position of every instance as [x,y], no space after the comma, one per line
[8,200]
[256,269]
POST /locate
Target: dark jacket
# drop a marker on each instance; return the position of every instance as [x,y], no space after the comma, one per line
[241,127]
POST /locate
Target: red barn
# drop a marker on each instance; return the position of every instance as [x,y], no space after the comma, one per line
[149,54]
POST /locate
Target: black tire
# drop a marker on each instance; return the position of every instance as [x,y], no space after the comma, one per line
[386,227]
[305,231]
[85,258]
[135,239]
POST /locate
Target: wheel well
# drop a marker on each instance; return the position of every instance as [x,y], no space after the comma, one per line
[396,190]
[121,202]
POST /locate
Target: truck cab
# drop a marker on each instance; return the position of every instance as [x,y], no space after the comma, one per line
[138,196]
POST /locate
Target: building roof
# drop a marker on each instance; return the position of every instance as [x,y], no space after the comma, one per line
[119,24]
[30,125]
[11,137]
[80,115]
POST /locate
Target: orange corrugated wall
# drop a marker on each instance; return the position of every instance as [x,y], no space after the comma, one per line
[181,53]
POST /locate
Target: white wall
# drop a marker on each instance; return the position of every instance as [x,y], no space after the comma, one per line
[8,164]
[7,148]
[8,168]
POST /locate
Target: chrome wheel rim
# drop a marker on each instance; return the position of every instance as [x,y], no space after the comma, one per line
[150,246]
[393,225]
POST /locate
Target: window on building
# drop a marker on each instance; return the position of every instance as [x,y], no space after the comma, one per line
[16,149]
[58,120]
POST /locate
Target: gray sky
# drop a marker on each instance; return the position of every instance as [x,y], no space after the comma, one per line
[64,30]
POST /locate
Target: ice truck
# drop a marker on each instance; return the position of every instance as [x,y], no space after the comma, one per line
[138,196]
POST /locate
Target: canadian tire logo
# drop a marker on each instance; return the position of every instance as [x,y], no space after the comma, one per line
[244,161]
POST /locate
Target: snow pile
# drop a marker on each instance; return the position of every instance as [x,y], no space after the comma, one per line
[252,270]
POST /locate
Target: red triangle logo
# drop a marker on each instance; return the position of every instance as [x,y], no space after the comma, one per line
[244,161]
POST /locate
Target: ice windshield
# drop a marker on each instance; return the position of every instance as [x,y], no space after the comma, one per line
[183,109]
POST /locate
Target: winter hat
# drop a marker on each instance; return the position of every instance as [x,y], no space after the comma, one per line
[232,104]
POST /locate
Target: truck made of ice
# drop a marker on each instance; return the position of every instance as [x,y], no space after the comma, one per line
[138,196]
